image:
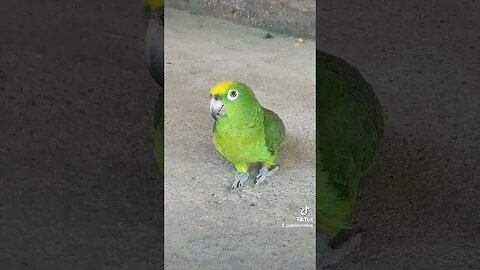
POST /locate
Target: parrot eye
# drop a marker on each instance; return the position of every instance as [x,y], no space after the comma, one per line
[232,95]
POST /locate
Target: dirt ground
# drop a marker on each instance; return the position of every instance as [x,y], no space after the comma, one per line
[420,204]
[79,186]
[206,225]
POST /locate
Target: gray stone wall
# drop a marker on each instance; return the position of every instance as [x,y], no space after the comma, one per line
[292,18]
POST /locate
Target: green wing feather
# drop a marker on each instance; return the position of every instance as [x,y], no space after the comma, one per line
[349,132]
[274,131]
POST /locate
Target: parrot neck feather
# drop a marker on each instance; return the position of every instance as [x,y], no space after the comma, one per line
[253,119]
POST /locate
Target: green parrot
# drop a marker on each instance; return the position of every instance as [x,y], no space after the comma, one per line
[349,128]
[244,132]
[155,63]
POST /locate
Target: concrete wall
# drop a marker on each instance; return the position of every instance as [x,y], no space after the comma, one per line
[293,18]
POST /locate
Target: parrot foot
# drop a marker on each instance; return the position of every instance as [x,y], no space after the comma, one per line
[264,173]
[240,178]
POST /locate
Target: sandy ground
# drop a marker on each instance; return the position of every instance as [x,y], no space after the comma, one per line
[206,225]
[420,205]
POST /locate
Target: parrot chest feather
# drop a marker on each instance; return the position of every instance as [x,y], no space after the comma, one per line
[241,144]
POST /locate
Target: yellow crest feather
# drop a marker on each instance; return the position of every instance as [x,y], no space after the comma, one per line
[220,88]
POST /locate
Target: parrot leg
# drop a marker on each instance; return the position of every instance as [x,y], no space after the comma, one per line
[264,173]
[240,178]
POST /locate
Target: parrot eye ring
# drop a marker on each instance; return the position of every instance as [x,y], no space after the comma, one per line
[232,95]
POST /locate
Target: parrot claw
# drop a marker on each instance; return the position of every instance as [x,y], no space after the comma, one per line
[264,173]
[240,178]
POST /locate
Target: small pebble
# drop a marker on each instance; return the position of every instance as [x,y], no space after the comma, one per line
[268,35]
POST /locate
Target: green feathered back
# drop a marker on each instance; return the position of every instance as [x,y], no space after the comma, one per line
[349,132]
[274,131]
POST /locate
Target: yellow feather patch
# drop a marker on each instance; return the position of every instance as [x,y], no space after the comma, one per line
[154,4]
[220,88]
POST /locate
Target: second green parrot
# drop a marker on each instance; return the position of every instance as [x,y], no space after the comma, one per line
[349,126]
[244,132]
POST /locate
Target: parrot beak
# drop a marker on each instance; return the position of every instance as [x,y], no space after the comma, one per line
[216,106]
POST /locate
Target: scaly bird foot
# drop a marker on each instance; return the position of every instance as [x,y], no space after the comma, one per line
[264,173]
[240,178]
